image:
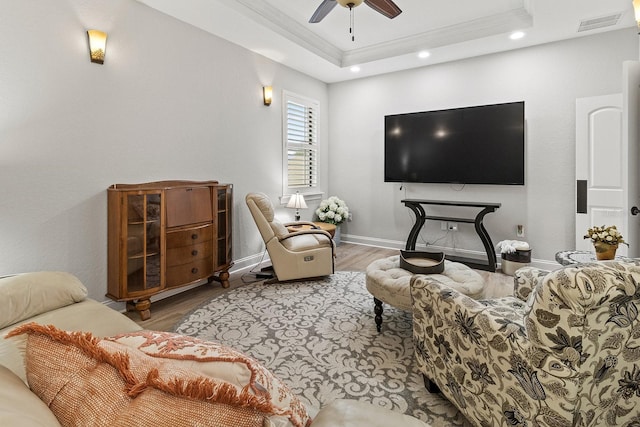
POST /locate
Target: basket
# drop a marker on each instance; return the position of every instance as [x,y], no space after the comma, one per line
[518,256]
[419,262]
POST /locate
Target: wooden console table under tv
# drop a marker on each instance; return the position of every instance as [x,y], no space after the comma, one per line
[416,206]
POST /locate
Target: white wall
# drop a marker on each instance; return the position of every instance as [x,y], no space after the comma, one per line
[170,102]
[548,78]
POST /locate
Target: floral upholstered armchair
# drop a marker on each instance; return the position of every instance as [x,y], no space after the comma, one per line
[567,356]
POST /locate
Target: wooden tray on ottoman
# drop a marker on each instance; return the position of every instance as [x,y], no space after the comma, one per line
[419,262]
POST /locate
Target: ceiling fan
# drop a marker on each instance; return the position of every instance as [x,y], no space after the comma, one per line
[386,7]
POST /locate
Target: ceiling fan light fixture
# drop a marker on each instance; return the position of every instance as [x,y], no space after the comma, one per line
[349,3]
[385,7]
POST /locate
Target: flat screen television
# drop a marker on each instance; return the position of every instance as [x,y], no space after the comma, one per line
[472,145]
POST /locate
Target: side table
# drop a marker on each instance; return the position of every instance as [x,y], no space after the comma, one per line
[581,257]
[329,228]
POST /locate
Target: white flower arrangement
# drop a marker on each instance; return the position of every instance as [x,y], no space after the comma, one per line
[333,210]
[511,246]
[605,234]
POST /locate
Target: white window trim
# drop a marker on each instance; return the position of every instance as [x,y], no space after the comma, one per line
[310,193]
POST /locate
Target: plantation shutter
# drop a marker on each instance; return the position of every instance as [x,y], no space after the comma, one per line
[301,142]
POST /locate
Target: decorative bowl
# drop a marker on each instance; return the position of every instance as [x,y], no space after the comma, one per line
[419,262]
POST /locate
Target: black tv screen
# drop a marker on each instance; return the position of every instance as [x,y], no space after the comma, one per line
[471,145]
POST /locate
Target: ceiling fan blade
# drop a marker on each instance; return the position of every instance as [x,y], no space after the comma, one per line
[386,7]
[323,10]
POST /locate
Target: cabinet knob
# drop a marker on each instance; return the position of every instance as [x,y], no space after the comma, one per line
[194,252]
[194,236]
[194,270]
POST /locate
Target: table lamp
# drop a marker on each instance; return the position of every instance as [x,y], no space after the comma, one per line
[297,202]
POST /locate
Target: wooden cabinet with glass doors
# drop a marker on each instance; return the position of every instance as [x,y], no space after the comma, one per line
[225,202]
[165,235]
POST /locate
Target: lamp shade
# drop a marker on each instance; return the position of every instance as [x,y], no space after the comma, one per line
[297,202]
[97,45]
[267,94]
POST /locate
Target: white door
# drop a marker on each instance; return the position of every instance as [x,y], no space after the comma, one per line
[630,124]
[601,167]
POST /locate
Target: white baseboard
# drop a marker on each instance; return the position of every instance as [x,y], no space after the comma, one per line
[243,265]
[396,244]
[239,267]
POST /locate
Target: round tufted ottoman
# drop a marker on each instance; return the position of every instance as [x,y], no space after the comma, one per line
[389,284]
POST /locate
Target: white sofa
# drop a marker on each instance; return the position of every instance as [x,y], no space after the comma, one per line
[60,299]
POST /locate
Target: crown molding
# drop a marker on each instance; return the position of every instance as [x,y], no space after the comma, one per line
[271,18]
[511,20]
[263,13]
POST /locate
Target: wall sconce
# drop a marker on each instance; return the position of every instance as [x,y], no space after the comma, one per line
[267,94]
[296,201]
[97,45]
[636,9]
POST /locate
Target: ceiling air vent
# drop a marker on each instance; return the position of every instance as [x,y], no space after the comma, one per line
[601,22]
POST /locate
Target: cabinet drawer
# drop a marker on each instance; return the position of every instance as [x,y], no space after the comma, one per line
[188,205]
[189,236]
[187,273]
[186,254]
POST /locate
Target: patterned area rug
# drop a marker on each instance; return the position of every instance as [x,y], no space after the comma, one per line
[320,338]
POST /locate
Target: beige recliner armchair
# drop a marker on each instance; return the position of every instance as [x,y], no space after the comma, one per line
[295,255]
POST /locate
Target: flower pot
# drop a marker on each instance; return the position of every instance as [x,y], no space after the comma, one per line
[512,261]
[337,236]
[605,251]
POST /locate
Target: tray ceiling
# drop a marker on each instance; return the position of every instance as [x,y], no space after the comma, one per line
[279,30]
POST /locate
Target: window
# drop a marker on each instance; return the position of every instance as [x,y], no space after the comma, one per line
[300,143]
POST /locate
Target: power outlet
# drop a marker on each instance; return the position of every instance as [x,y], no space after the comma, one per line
[520,230]
[350,217]
[443,226]
[452,226]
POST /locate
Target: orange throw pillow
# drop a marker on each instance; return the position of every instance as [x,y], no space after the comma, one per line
[152,378]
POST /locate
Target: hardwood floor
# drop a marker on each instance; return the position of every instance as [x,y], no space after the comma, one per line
[349,257]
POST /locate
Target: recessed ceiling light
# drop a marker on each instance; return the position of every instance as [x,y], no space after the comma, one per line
[355,69]
[517,35]
[424,54]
